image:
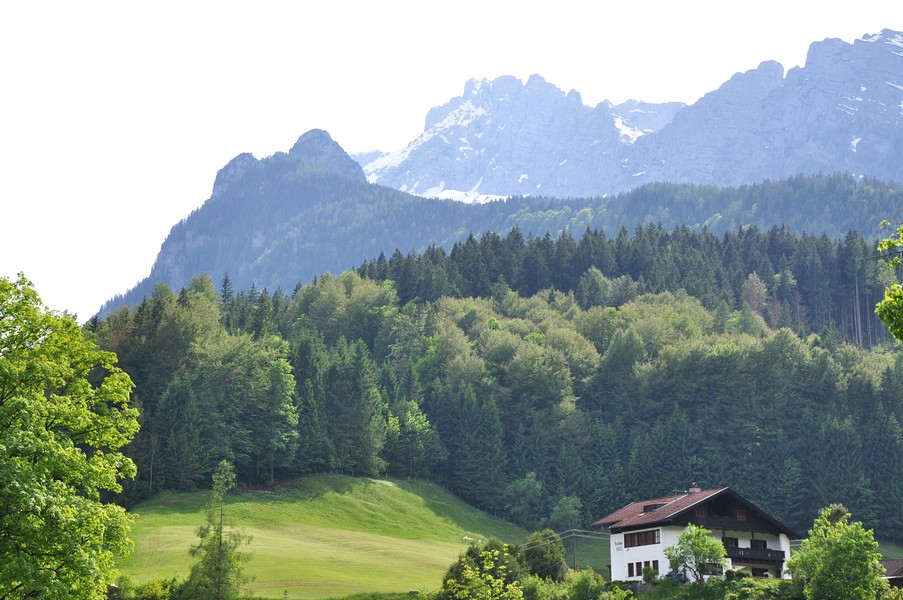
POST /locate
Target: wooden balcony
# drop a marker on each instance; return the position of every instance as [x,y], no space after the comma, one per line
[717,522]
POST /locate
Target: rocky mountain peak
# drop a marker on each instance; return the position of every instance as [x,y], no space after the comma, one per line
[318,147]
[232,172]
[840,112]
[505,136]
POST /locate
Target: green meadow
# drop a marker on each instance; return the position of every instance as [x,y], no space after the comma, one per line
[321,537]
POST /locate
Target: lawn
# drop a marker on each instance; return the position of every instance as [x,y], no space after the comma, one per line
[326,536]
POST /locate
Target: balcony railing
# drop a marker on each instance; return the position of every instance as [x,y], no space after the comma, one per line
[768,555]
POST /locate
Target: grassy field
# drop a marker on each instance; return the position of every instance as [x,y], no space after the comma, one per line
[326,536]
[889,549]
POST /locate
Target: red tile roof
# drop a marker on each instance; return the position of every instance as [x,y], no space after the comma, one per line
[635,515]
[660,511]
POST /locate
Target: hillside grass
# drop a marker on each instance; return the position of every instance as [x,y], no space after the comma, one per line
[890,549]
[321,537]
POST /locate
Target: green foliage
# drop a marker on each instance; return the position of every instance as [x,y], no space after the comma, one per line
[543,555]
[890,308]
[441,365]
[696,554]
[218,574]
[355,410]
[567,513]
[157,589]
[839,559]
[581,585]
[539,588]
[743,588]
[585,585]
[320,222]
[523,500]
[64,416]
[488,572]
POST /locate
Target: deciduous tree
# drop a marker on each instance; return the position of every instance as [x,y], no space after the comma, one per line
[544,555]
[64,415]
[890,309]
[839,560]
[697,554]
[487,572]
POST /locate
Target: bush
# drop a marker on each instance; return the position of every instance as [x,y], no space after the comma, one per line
[157,589]
[537,588]
[585,585]
[483,571]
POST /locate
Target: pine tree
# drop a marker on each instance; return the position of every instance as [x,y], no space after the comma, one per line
[218,574]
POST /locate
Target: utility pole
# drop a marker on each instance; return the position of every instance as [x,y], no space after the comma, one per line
[574,545]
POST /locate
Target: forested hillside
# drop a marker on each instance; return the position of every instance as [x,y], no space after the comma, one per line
[289,217]
[806,282]
[547,380]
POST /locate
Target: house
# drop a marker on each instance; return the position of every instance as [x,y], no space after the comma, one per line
[641,531]
[893,571]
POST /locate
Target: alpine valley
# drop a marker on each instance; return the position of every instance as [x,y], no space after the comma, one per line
[629,299]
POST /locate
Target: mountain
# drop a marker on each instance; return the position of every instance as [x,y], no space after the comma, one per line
[841,112]
[285,219]
[503,137]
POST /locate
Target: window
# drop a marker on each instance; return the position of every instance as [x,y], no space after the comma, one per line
[757,572]
[630,569]
[655,566]
[759,545]
[641,538]
[731,542]
[700,511]
[741,514]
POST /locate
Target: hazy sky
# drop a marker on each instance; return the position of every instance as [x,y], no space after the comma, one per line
[116,116]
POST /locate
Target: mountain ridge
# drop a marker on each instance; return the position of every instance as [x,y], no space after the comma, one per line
[841,111]
[281,220]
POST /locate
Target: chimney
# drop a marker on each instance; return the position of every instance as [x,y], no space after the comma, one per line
[694,488]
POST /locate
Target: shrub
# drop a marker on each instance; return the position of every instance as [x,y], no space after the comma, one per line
[585,585]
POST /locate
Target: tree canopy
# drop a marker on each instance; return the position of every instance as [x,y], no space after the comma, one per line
[839,560]
[64,416]
[697,554]
[890,308]
[551,408]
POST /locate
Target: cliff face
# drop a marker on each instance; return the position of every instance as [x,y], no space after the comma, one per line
[842,111]
[503,137]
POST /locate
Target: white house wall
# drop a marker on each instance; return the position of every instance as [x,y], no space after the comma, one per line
[621,555]
[668,536]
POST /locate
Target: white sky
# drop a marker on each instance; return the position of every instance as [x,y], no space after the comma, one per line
[115,116]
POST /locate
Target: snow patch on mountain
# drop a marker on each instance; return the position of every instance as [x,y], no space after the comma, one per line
[841,111]
[629,133]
